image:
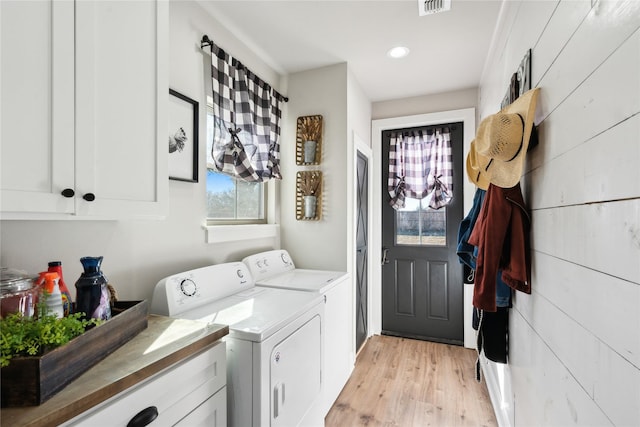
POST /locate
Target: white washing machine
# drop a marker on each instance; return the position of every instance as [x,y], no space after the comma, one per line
[276,269]
[274,346]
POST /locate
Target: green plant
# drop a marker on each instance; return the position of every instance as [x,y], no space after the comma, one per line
[23,336]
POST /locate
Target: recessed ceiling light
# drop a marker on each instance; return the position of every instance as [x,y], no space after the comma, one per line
[398,52]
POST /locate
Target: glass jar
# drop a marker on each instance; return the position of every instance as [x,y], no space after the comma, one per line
[17,292]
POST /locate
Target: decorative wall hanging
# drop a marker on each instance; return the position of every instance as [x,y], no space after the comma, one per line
[183,137]
[309,195]
[309,140]
[520,81]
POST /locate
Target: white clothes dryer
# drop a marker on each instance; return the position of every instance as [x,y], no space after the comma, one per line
[276,269]
[274,346]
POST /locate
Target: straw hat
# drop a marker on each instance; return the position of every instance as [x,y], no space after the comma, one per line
[502,141]
[475,173]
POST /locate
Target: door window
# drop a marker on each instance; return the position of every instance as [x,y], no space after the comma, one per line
[419,225]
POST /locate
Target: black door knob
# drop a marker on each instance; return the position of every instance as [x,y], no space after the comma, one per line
[68,192]
[89,197]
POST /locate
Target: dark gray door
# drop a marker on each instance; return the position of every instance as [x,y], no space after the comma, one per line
[362,248]
[422,289]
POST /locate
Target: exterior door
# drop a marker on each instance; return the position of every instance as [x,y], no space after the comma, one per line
[422,286]
[362,245]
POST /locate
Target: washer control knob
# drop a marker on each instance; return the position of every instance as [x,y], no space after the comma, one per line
[259,264]
[240,273]
[188,287]
[285,258]
[265,262]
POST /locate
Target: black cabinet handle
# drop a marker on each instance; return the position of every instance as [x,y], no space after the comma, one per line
[68,192]
[89,197]
[144,417]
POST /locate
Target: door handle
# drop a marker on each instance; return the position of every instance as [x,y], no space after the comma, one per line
[278,399]
[385,251]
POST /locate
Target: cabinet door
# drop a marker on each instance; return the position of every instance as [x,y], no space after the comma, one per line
[121,97]
[37,119]
[339,345]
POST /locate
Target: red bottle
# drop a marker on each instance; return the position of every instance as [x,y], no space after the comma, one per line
[56,267]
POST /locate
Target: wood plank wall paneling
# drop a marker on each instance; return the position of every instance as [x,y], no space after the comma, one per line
[614,84]
[575,341]
[604,167]
[600,236]
[604,29]
[546,394]
[597,302]
[560,27]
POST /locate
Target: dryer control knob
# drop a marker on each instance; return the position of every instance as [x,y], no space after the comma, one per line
[188,287]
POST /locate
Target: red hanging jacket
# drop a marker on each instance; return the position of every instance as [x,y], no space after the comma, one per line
[501,234]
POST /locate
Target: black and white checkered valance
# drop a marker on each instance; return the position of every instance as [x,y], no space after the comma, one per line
[246,121]
[420,164]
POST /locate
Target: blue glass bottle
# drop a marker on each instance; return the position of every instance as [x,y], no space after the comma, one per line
[92,294]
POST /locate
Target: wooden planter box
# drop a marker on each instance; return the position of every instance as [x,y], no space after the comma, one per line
[29,381]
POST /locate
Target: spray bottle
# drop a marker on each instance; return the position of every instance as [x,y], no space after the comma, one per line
[56,267]
[53,298]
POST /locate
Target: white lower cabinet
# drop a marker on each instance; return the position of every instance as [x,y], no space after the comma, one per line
[191,393]
[339,359]
[83,109]
[338,356]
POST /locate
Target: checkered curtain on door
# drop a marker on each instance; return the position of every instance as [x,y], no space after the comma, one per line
[246,121]
[420,164]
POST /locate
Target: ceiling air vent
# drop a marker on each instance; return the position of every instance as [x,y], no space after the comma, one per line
[429,7]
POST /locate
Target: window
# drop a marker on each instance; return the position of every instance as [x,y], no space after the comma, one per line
[420,225]
[243,127]
[230,200]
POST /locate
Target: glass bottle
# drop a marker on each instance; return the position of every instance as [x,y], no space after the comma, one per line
[92,294]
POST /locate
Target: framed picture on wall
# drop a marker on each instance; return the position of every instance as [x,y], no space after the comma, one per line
[183,137]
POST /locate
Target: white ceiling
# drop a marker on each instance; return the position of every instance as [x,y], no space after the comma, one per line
[448,49]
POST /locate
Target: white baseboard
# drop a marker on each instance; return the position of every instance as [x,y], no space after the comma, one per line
[490,376]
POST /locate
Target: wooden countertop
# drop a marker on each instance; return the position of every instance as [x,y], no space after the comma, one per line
[164,342]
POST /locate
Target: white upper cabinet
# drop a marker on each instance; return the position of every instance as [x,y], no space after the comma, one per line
[83,114]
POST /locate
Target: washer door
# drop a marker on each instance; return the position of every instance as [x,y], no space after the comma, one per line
[295,374]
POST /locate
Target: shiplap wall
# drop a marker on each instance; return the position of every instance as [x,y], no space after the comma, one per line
[575,341]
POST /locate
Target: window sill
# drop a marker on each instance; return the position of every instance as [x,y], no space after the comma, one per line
[231,233]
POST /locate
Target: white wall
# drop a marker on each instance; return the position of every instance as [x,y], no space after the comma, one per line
[318,244]
[575,341]
[333,93]
[139,253]
[432,103]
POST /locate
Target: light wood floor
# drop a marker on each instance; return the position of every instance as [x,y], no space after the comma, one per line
[405,382]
